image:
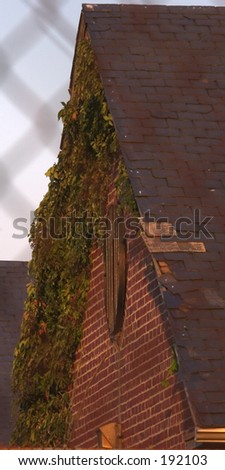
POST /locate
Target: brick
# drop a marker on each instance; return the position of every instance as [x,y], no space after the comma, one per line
[136,362]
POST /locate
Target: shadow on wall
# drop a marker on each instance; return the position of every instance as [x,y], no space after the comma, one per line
[13,279]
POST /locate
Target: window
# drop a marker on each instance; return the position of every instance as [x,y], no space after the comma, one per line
[115,270]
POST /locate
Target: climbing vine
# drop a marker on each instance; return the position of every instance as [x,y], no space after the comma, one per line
[173,369]
[61,262]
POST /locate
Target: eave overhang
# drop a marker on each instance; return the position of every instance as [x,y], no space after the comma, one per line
[210,434]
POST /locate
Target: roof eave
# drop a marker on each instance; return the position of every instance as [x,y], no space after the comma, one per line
[210,434]
[81,34]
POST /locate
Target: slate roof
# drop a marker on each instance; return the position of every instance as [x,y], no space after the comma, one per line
[13,279]
[163,70]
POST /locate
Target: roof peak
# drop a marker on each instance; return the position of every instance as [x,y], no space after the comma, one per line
[129,6]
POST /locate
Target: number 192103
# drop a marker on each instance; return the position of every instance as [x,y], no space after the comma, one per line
[184,459]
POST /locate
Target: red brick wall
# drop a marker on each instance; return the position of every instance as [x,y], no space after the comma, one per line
[124,382]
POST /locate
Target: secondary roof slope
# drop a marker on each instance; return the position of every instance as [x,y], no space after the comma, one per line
[13,279]
[163,70]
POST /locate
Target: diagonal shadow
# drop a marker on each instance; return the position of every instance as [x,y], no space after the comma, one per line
[17,155]
[44,19]
[46,13]
[16,198]
[16,44]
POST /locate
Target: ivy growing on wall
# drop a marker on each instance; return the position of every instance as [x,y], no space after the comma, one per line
[61,262]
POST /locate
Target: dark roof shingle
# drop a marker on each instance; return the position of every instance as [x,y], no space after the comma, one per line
[13,279]
[163,71]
